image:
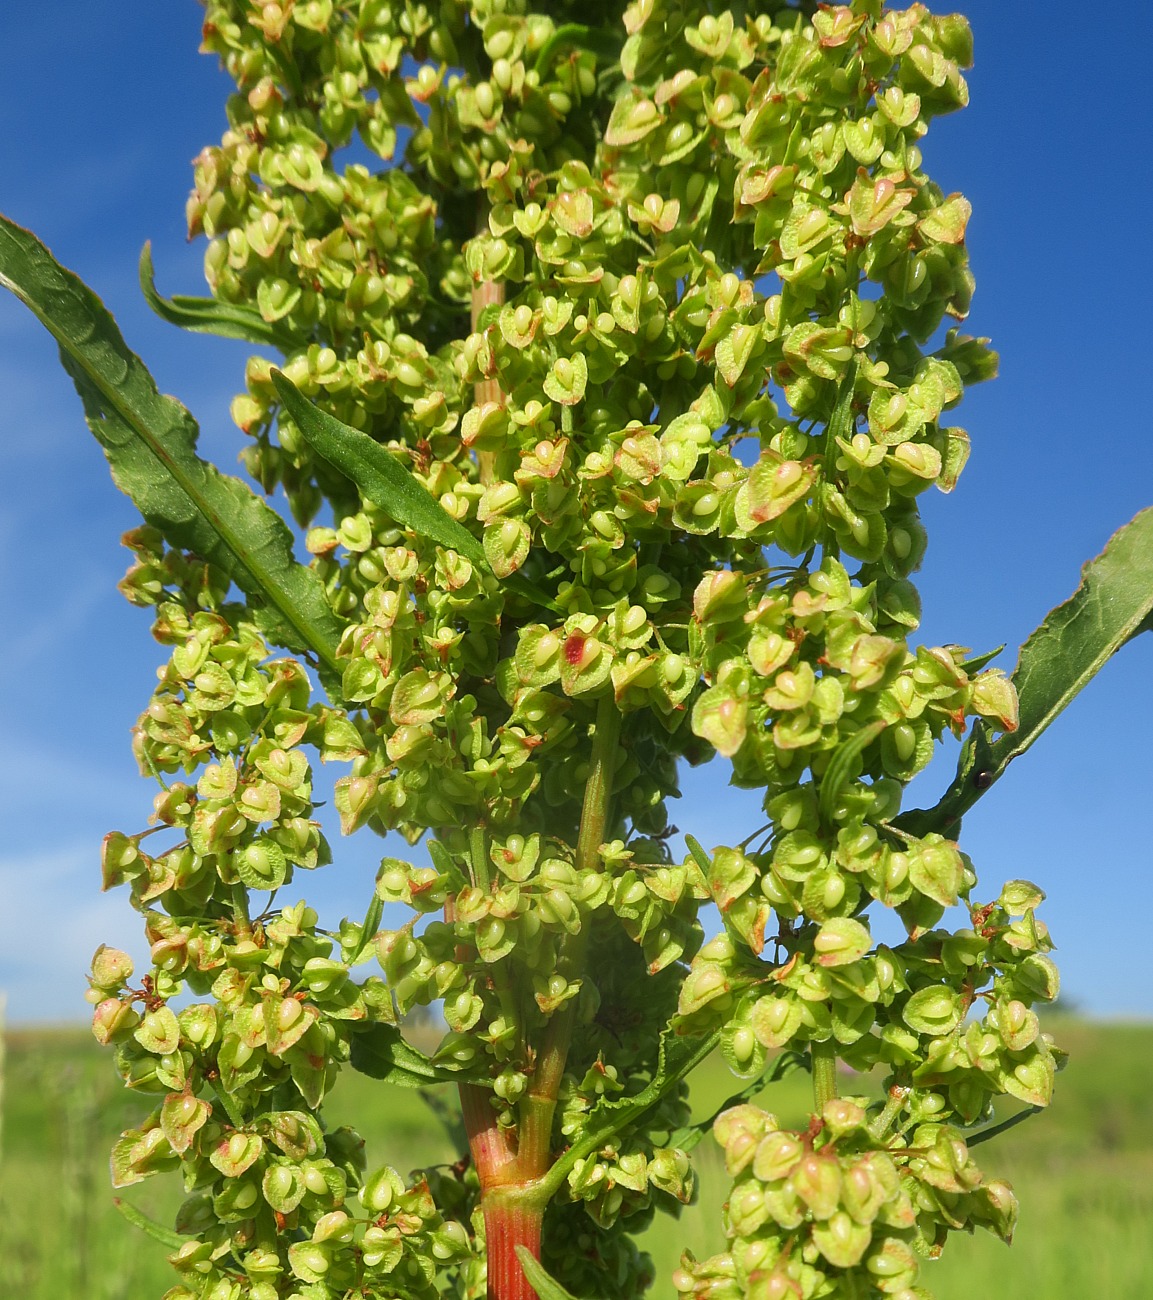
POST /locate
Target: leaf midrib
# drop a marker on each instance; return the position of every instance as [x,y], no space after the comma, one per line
[133,418]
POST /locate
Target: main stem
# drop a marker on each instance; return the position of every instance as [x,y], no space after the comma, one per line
[487,293]
[824,1063]
[511,1164]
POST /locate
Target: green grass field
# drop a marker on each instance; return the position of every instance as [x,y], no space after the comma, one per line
[1084,1173]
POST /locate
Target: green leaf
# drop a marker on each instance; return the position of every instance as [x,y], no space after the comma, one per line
[229,320]
[542,1282]
[150,443]
[166,1236]
[842,767]
[368,929]
[841,420]
[1113,604]
[702,858]
[383,480]
[995,1130]
[604,44]
[978,662]
[442,860]
[677,1056]
[1146,625]
[379,1051]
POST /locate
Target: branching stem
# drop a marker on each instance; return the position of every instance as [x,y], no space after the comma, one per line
[514,1191]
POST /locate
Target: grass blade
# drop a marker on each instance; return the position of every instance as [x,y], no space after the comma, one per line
[150,443]
[1113,604]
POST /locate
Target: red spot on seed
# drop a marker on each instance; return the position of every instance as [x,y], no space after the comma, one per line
[574,649]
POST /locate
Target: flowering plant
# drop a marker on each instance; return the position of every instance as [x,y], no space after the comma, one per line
[612,372]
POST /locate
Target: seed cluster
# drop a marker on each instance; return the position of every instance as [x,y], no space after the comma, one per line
[650,300]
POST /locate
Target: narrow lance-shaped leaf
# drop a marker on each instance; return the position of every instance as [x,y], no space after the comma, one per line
[377,473]
[368,929]
[678,1057]
[1113,603]
[157,1231]
[540,1279]
[230,320]
[841,420]
[701,857]
[384,481]
[841,767]
[995,1130]
[150,443]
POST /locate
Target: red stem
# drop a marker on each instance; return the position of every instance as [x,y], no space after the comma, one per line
[492,1150]
[512,1215]
[507,1225]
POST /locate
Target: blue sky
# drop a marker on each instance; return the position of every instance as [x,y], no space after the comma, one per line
[100,120]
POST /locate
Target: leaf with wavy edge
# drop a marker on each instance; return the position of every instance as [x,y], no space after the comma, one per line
[229,320]
[1113,604]
[149,441]
[677,1057]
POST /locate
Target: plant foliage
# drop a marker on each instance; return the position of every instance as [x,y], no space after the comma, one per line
[613,370]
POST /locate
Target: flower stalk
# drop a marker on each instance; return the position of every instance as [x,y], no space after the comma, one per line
[529,417]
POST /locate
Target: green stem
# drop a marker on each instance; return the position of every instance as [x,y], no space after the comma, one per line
[879,1128]
[540,1104]
[824,1059]
[513,1191]
[239,899]
[599,788]
[478,852]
